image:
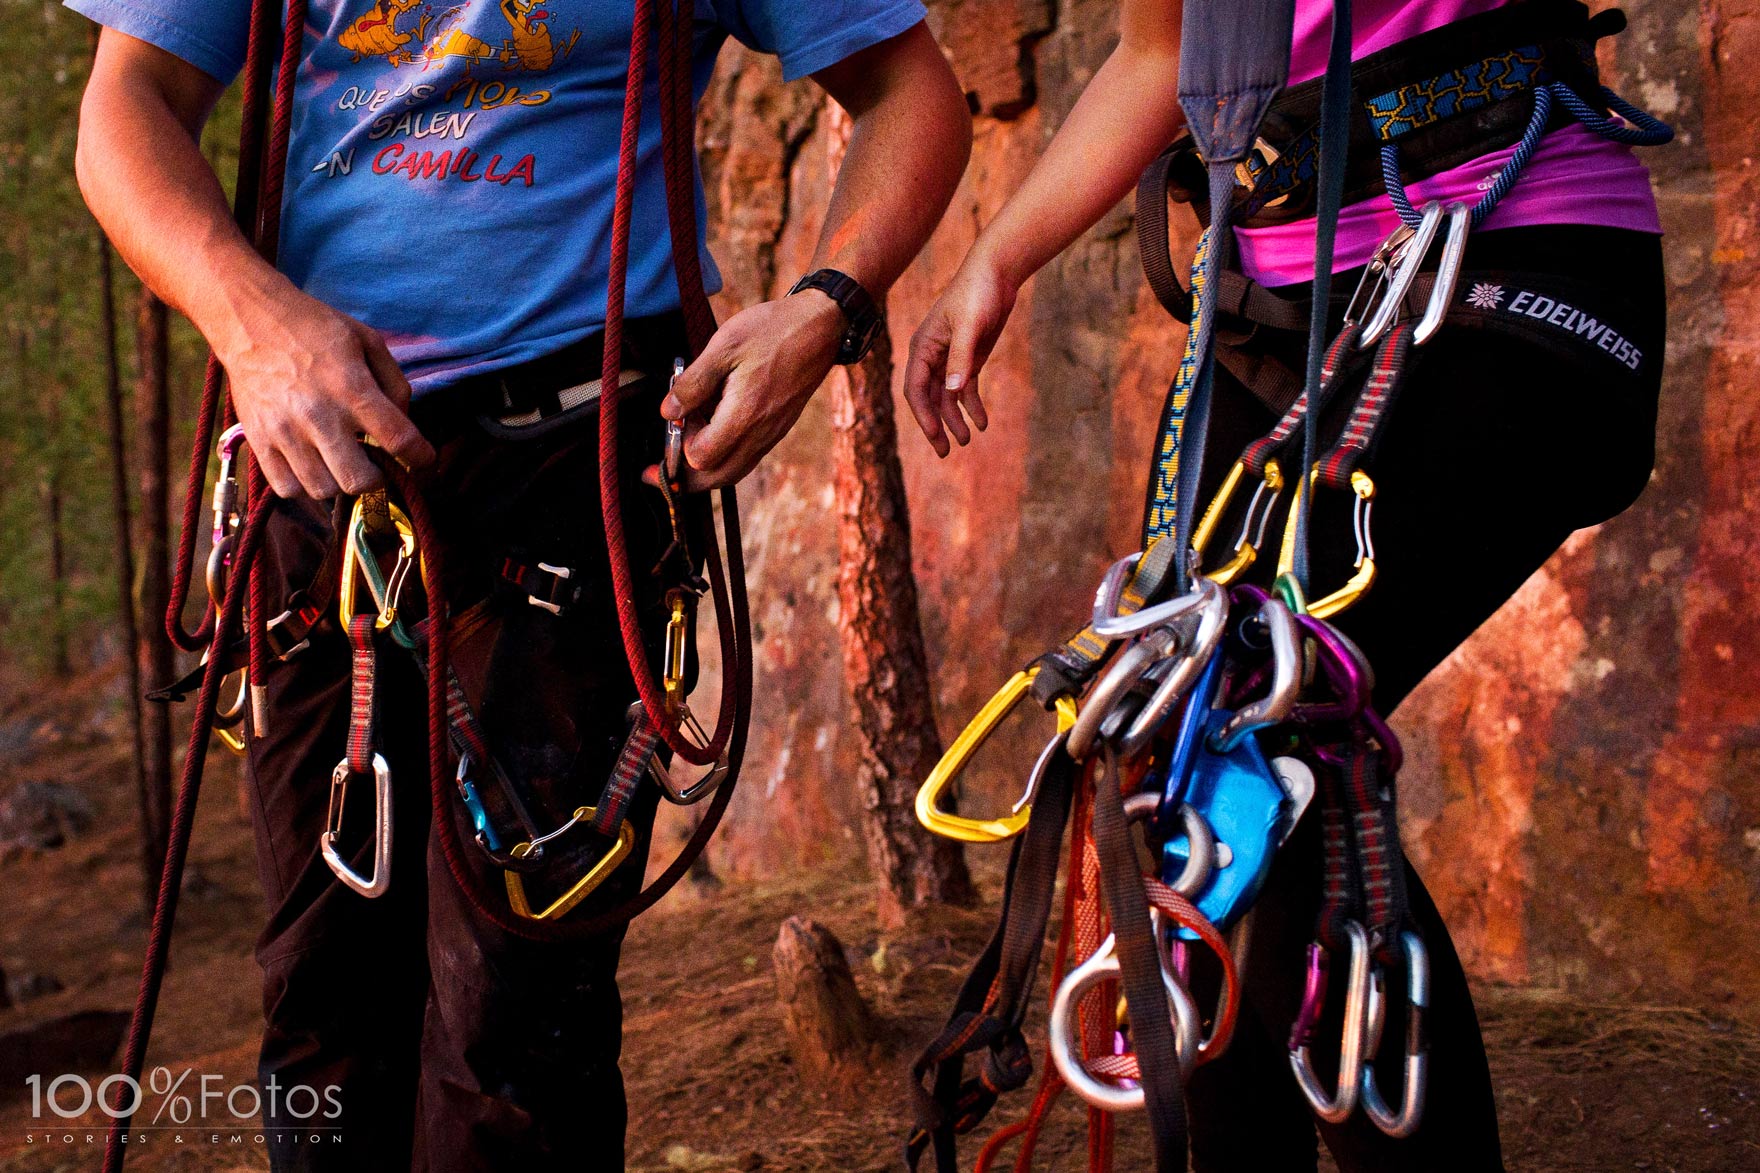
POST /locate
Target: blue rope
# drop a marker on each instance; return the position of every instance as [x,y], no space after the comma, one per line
[1639,129]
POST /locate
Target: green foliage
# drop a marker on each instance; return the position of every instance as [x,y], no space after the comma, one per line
[54,429]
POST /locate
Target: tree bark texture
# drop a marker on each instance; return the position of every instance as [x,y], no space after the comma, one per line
[885,666]
[122,518]
[155,655]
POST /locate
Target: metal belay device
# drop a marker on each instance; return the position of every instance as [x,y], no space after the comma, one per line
[1212,712]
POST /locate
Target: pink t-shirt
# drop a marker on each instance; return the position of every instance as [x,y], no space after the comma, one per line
[1575,177]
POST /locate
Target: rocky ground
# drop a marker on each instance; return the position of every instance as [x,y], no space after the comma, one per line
[712,1084]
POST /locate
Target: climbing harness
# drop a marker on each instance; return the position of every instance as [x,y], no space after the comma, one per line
[1204,711]
[386,571]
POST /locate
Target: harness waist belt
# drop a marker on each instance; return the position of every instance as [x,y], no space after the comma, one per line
[526,395]
[1444,95]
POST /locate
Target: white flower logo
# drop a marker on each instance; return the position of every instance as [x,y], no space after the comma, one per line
[1485,296]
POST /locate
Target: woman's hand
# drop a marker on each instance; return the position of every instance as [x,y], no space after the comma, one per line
[950,348]
[308,383]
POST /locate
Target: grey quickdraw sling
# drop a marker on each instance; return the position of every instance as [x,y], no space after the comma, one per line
[384,570]
[1211,711]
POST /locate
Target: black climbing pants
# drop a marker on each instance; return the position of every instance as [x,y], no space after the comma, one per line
[450,1044]
[1500,445]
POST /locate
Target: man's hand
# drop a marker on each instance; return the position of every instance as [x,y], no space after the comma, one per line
[753,379]
[308,383]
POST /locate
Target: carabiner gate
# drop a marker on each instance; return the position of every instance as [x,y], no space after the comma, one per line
[376,884]
[581,888]
[1335,1108]
[953,762]
[1417,1066]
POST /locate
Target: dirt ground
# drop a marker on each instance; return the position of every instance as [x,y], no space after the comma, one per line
[711,1082]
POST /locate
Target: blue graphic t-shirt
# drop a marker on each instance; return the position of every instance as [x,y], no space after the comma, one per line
[453,162]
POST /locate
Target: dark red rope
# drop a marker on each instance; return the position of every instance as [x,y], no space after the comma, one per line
[246,203]
[177,847]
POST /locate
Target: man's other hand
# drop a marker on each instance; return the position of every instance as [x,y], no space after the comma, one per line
[752,382]
[309,383]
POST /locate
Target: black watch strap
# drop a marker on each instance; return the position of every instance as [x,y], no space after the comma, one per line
[859,310]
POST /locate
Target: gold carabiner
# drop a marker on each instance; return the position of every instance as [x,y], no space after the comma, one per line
[672,680]
[953,762]
[357,557]
[581,888]
[1363,489]
[1246,546]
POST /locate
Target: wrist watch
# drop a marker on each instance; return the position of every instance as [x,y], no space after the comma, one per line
[863,316]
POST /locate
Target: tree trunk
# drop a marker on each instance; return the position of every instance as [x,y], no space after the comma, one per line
[60,661]
[155,655]
[121,517]
[830,1030]
[884,665]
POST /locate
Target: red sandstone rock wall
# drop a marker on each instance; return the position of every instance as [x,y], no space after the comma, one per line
[1583,792]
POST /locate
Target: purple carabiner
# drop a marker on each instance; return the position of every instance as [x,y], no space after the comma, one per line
[1345,671]
[1313,998]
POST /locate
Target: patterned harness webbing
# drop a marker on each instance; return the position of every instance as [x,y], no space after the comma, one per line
[1384,382]
[1398,112]
[1413,106]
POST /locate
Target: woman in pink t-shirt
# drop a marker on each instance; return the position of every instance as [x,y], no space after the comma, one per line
[1548,369]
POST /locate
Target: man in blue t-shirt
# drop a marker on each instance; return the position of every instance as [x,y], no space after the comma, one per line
[440,284]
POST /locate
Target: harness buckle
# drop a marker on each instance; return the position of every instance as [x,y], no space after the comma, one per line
[555,593]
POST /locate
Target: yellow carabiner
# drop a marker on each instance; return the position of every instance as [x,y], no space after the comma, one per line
[678,606]
[1246,547]
[1363,489]
[953,762]
[358,557]
[581,888]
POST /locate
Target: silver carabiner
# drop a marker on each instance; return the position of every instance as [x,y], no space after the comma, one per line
[1108,624]
[674,461]
[1286,679]
[376,884]
[1120,677]
[1212,623]
[1200,837]
[1417,1066]
[1064,1030]
[1408,258]
[1448,272]
[1335,1108]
